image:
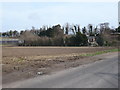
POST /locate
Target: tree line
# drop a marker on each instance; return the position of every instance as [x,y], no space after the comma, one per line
[67,35]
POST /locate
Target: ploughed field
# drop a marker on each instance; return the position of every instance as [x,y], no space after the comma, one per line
[20,63]
[42,51]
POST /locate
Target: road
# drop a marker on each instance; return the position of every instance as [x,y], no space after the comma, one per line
[100,74]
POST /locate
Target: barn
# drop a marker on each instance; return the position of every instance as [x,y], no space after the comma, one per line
[9,41]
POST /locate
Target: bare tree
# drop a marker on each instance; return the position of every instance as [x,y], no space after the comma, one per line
[90,28]
[67,26]
[29,38]
[78,28]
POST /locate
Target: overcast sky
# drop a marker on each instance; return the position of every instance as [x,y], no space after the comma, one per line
[119,12]
[24,15]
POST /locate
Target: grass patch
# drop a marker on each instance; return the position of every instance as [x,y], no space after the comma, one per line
[100,52]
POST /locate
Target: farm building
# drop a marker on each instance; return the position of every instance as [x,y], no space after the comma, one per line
[92,41]
[10,41]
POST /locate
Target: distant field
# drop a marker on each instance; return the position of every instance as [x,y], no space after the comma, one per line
[39,51]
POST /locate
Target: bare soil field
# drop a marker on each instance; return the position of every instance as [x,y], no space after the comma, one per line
[40,51]
[19,63]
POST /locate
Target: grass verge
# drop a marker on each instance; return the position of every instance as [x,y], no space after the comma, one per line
[101,52]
